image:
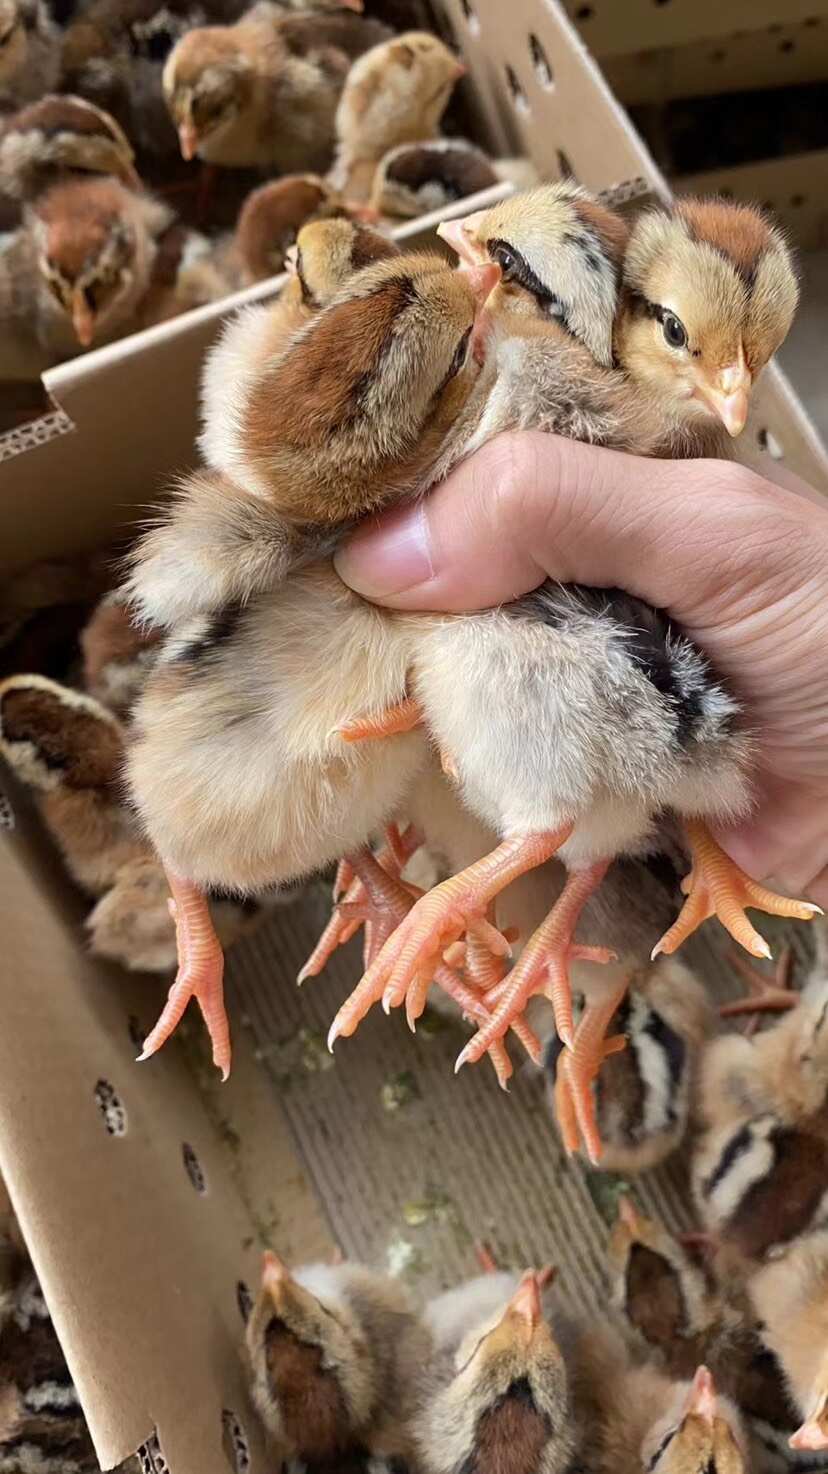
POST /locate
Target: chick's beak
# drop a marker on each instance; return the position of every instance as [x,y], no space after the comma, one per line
[728,395]
[292,260]
[629,1215]
[83,319]
[275,1276]
[482,280]
[813,1435]
[460,235]
[524,1306]
[701,1399]
[188,140]
[460,70]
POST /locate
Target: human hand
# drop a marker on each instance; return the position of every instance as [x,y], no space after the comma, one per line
[739,562]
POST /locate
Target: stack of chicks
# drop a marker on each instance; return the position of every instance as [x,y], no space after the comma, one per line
[493,1375]
[290,111]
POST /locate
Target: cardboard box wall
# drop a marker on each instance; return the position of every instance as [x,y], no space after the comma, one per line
[142,1235]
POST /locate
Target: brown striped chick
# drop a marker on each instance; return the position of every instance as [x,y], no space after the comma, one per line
[415,178]
[333,1351]
[396,93]
[271,218]
[69,750]
[551,325]
[263,92]
[118,655]
[29,52]
[494,1392]
[58,137]
[760,1171]
[347,417]
[790,1296]
[642,1095]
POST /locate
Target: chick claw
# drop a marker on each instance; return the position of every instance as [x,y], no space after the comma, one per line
[200,975]
[765,994]
[356,904]
[543,967]
[578,1067]
[716,886]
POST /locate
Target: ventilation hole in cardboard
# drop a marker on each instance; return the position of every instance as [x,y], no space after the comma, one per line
[193,1168]
[565,168]
[787,46]
[661,2]
[244,1300]
[540,62]
[726,194]
[6,813]
[797,201]
[718,54]
[235,1442]
[519,97]
[151,1458]
[470,16]
[811,20]
[584,12]
[768,442]
[136,1033]
[111,1108]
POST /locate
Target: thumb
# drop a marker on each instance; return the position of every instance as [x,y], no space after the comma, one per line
[530,506]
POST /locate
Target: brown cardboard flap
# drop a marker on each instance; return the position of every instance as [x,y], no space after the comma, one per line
[794,188]
[616,27]
[778,56]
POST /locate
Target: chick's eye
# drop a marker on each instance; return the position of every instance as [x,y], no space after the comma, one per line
[674,332]
[460,354]
[505,259]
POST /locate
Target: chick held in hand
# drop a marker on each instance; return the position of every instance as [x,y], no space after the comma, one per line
[494,1393]
[633,721]
[333,1351]
[278,792]
[263,93]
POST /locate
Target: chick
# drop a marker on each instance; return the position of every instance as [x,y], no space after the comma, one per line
[271,218]
[790,1295]
[29,52]
[117,655]
[673,1304]
[551,325]
[415,178]
[759,1172]
[58,137]
[93,261]
[394,94]
[388,391]
[333,1352]
[494,1393]
[642,1096]
[263,92]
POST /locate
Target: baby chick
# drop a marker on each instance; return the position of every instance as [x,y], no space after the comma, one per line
[117,655]
[552,322]
[790,1295]
[301,479]
[396,93]
[643,1094]
[759,1172]
[494,1393]
[271,218]
[263,92]
[94,260]
[29,52]
[333,1352]
[416,178]
[56,138]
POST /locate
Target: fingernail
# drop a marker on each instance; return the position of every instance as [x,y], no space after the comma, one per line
[388,557]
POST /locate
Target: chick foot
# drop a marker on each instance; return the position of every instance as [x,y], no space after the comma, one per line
[402,717]
[543,967]
[354,906]
[765,994]
[716,886]
[200,975]
[485,971]
[412,956]
[577,1069]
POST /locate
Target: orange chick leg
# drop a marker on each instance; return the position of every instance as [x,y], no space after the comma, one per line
[765,994]
[353,907]
[440,917]
[200,975]
[543,966]
[716,886]
[402,717]
[578,1067]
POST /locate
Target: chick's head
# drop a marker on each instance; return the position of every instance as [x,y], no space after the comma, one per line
[353,413]
[329,252]
[68,132]
[207,85]
[560,253]
[91,251]
[312,1379]
[662,1291]
[794,1055]
[709,296]
[396,93]
[699,1431]
[507,1406]
[272,215]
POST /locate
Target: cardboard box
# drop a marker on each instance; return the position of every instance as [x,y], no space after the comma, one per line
[613,29]
[773,56]
[145,1193]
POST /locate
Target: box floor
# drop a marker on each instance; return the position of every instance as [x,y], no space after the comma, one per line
[457,1161]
